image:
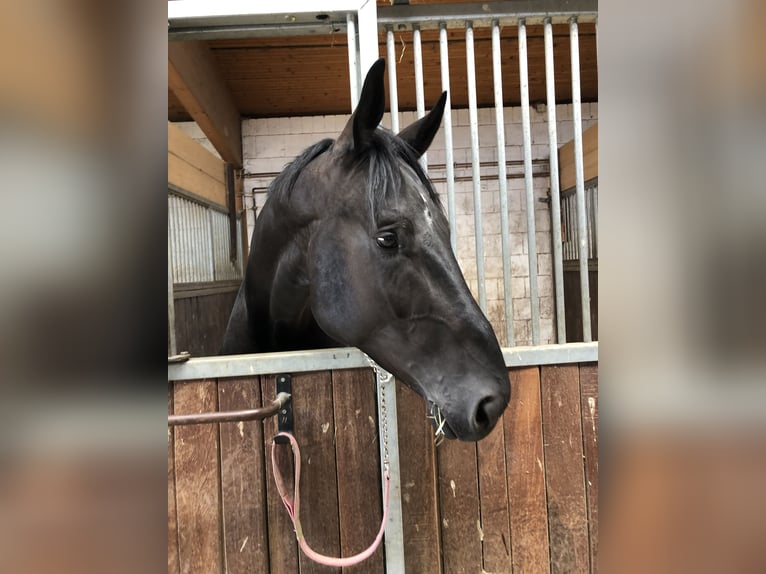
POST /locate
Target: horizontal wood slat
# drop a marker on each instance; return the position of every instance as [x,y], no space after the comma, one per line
[193,168]
[589,158]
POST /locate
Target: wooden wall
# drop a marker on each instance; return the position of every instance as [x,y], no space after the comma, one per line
[567,179]
[522,500]
[201,322]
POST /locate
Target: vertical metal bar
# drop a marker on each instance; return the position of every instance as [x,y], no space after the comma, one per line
[171,300]
[475,166]
[558,266]
[530,194]
[199,244]
[186,240]
[582,221]
[449,158]
[367,31]
[395,525]
[172,228]
[595,220]
[393,95]
[353,62]
[212,244]
[419,91]
[497,79]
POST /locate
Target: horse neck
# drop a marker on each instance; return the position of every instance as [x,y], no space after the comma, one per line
[278,298]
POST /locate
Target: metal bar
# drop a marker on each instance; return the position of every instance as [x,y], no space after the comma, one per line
[551,354]
[353,64]
[367,31]
[429,16]
[298,10]
[188,195]
[558,265]
[475,166]
[185,242]
[526,131]
[213,258]
[449,159]
[505,235]
[530,194]
[394,539]
[419,91]
[236,32]
[582,220]
[171,299]
[393,95]
[231,416]
[226,366]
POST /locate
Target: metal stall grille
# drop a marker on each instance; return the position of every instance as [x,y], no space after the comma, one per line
[569,225]
[199,240]
[508,241]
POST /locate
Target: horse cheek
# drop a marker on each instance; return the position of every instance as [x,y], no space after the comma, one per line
[337,302]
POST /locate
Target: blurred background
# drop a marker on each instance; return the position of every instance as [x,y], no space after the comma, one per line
[83,111]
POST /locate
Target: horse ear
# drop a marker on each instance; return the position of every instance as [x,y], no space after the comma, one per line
[421,133]
[369,111]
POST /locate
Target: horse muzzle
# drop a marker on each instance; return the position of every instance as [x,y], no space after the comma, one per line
[472,420]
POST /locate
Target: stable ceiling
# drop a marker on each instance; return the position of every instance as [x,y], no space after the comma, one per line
[308,75]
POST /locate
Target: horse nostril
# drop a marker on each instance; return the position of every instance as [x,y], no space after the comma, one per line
[487,412]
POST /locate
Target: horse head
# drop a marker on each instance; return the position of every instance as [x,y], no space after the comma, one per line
[373,260]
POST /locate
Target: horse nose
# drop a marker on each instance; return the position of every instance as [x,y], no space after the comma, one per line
[485,414]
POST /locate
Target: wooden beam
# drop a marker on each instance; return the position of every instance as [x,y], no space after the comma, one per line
[589,157]
[193,168]
[194,78]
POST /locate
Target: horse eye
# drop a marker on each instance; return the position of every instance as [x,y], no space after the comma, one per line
[387,240]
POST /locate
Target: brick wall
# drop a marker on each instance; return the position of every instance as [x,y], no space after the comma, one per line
[268,144]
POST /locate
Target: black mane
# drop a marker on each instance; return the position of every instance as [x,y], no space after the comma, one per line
[382,160]
[283,184]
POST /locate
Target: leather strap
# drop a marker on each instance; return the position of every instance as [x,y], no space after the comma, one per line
[293,509]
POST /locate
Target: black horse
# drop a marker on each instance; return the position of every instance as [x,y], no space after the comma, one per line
[352,248]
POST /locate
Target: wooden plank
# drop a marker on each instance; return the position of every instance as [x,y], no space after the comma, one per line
[198,481]
[195,79]
[493,498]
[283,548]
[242,480]
[589,407]
[459,506]
[420,505]
[589,154]
[522,424]
[358,459]
[195,180]
[565,475]
[174,565]
[315,431]
[194,153]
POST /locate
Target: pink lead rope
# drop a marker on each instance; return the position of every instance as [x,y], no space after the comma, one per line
[293,509]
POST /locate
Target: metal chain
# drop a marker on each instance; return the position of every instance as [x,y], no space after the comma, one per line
[383,377]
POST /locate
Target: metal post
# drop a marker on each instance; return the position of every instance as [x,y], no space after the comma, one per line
[449,159]
[530,194]
[419,91]
[353,62]
[171,299]
[582,220]
[394,538]
[212,243]
[558,265]
[497,79]
[367,30]
[475,165]
[393,95]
